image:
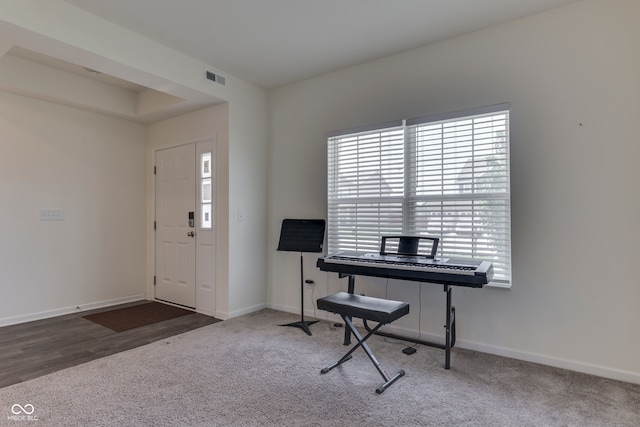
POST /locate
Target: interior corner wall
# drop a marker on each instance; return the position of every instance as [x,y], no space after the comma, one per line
[571,77]
[90,167]
[240,127]
[248,200]
[205,124]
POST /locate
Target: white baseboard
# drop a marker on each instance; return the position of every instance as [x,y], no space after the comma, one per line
[571,365]
[318,314]
[600,371]
[68,310]
[236,313]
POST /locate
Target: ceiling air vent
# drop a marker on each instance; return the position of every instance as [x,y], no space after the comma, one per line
[213,77]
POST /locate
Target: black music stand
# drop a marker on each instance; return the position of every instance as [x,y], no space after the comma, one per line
[302,235]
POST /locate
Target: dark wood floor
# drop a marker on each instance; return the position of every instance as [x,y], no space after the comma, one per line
[32,349]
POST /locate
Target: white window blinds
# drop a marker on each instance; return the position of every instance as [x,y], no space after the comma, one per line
[445,176]
[365,188]
[458,186]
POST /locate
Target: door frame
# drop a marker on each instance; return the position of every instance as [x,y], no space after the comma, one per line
[205,302]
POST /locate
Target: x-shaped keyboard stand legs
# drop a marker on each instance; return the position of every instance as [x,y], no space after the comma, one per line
[361,343]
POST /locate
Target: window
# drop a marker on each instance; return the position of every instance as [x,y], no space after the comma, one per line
[205,190]
[445,175]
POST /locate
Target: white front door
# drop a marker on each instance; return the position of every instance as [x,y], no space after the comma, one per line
[175,225]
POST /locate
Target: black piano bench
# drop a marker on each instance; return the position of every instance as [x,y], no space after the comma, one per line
[378,310]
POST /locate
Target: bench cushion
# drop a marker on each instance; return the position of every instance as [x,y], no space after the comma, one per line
[363,307]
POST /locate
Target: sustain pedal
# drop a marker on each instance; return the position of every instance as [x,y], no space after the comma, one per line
[409,350]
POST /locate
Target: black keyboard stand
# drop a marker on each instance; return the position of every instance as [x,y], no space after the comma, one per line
[388,265]
[450,325]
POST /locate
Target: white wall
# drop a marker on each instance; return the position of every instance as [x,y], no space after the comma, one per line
[248,178]
[87,165]
[572,78]
[58,29]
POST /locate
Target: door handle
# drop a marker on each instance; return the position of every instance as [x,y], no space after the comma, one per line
[191,234]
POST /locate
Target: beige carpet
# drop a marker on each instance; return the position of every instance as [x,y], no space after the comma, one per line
[248,371]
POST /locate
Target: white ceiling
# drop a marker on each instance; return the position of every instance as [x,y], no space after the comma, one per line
[276,42]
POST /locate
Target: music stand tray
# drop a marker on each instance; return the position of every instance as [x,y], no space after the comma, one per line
[302,235]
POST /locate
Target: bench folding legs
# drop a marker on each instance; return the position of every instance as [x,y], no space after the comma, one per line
[367,308]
